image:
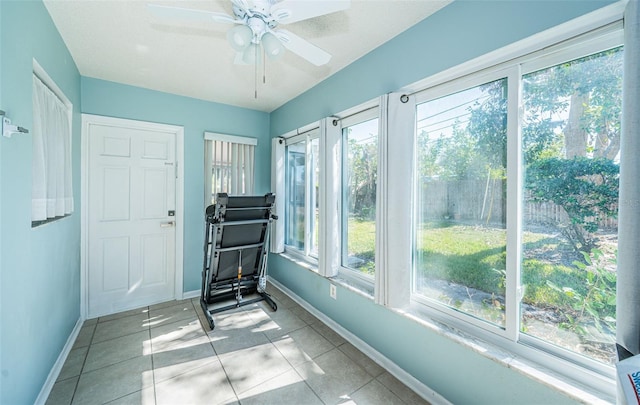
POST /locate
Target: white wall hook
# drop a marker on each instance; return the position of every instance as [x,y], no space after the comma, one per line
[8,129]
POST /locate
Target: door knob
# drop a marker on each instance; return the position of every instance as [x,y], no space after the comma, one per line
[167,224]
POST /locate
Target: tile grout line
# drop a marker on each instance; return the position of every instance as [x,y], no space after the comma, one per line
[153,368]
[91,343]
[296,371]
[84,362]
[152,374]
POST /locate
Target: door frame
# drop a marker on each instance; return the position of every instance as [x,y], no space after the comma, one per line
[87,121]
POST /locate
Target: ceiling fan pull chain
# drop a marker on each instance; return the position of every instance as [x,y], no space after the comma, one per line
[264,66]
[255,77]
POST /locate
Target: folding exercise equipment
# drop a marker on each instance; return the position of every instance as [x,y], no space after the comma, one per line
[235,253]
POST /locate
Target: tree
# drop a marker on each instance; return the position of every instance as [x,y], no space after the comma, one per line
[488,124]
[576,104]
[362,177]
[587,189]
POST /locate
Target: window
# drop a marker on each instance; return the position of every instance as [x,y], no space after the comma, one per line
[229,165]
[515,229]
[52,187]
[479,201]
[302,187]
[359,190]
[571,146]
[296,194]
[460,216]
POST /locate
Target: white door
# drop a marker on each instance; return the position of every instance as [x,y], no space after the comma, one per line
[131,216]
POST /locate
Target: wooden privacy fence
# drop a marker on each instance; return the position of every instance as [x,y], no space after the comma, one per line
[484,201]
[464,200]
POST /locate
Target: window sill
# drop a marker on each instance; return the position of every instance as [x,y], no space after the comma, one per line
[570,387]
[355,287]
[38,224]
[300,260]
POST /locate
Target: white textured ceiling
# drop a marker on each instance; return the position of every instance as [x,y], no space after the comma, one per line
[121,41]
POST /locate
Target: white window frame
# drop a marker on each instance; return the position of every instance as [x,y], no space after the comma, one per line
[563,361]
[230,139]
[360,280]
[306,134]
[452,87]
[572,40]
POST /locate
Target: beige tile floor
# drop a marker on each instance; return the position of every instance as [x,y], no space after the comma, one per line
[166,354]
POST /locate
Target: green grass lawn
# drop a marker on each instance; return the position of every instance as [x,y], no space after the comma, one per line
[362,243]
[475,256]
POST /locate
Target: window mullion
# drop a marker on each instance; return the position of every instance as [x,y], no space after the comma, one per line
[308,184]
[513,293]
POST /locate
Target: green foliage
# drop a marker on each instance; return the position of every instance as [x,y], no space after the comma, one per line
[587,92]
[362,243]
[475,257]
[488,124]
[466,255]
[362,175]
[587,189]
[594,302]
[536,276]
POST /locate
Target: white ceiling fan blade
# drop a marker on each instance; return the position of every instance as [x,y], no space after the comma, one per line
[290,11]
[242,5]
[303,48]
[190,14]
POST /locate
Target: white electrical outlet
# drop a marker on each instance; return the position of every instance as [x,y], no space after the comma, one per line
[332,291]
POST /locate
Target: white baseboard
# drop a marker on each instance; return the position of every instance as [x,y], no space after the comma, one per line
[407,379]
[57,366]
[190,294]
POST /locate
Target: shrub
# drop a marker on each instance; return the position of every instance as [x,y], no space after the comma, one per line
[587,189]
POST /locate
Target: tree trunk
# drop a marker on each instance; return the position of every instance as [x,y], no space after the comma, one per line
[607,147]
[575,137]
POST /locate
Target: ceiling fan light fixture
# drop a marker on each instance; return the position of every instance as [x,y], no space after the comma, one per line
[251,55]
[240,37]
[273,48]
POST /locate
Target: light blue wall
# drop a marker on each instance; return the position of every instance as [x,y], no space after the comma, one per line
[39,268]
[196,116]
[457,33]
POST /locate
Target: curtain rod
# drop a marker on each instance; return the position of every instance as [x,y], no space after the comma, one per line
[404,98]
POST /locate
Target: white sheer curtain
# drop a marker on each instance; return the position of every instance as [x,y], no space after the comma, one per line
[229,165]
[628,283]
[52,190]
[329,226]
[278,186]
[393,213]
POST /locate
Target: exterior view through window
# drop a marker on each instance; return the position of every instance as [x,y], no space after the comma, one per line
[571,145]
[296,194]
[460,231]
[514,205]
[567,247]
[302,181]
[360,172]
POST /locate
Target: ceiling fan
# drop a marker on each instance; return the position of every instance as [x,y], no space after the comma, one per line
[257,26]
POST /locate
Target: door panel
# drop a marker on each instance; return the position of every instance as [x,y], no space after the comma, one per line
[131,234]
